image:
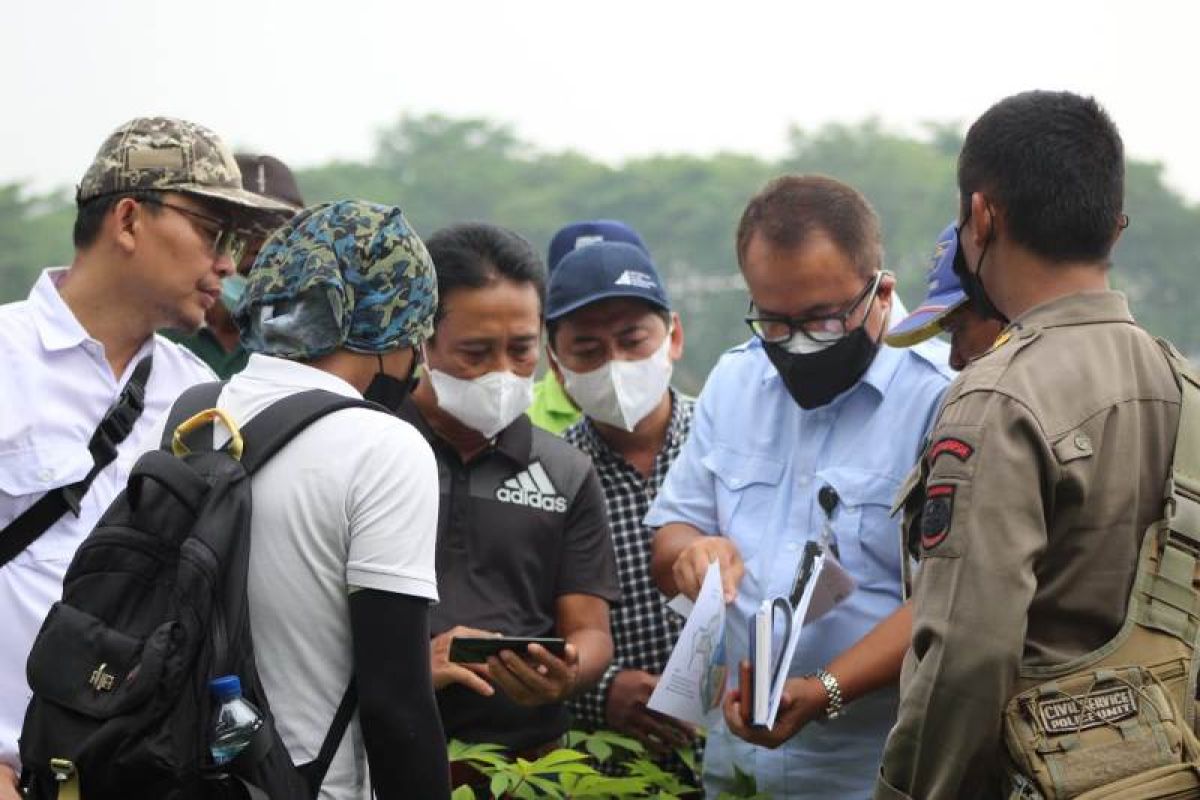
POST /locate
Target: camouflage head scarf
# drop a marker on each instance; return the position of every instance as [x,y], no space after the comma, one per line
[348,274]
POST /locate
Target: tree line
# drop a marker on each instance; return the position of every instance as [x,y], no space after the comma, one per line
[442,170]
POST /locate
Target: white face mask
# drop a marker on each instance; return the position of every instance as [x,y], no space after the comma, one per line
[488,404]
[800,344]
[621,393]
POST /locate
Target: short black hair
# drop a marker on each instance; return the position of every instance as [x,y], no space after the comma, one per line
[789,209]
[89,219]
[658,311]
[476,254]
[1054,165]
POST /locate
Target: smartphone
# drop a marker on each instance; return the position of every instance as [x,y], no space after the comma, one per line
[476,649]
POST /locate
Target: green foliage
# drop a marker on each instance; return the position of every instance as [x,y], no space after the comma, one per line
[571,772]
[442,170]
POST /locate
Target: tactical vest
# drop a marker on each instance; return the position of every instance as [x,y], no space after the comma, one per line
[1119,723]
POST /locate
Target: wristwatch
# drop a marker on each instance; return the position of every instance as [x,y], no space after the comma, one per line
[833,691]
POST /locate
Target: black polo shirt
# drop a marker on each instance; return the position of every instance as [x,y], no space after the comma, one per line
[519,525]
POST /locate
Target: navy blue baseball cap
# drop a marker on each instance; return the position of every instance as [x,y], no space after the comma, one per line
[585,232]
[945,294]
[600,271]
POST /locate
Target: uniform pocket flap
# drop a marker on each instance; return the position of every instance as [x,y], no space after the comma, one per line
[859,487]
[82,664]
[739,470]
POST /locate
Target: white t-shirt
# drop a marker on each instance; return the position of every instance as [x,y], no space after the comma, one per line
[351,501]
[55,387]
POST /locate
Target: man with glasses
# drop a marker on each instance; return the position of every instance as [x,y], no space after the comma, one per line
[218,342]
[162,218]
[805,431]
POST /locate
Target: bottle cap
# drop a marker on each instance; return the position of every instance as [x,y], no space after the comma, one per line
[226,687]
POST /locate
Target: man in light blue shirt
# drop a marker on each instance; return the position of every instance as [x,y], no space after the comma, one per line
[811,421]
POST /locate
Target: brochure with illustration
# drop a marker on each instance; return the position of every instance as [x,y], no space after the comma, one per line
[821,583]
[693,682]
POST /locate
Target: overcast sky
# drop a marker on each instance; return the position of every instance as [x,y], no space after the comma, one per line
[311,81]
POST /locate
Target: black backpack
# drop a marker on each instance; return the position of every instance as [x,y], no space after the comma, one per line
[154,605]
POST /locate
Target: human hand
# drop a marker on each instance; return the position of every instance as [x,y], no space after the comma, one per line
[446,672]
[692,564]
[537,677]
[8,783]
[804,699]
[625,712]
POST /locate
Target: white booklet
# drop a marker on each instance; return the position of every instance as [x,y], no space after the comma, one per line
[694,679]
[821,583]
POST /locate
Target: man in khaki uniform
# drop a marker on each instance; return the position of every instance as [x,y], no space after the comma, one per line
[1050,455]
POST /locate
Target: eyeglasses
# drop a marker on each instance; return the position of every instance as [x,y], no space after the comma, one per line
[777,329]
[224,238]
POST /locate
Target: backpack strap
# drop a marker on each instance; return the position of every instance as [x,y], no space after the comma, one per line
[315,771]
[113,429]
[1172,604]
[191,402]
[271,429]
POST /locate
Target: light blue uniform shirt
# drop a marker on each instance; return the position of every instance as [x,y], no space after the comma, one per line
[751,470]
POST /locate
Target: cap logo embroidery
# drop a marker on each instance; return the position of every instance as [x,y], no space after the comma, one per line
[531,487]
[586,239]
[632,277]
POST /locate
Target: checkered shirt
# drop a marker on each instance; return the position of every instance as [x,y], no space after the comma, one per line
[643,629]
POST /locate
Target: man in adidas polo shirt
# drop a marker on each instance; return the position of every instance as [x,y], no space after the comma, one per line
[523,544]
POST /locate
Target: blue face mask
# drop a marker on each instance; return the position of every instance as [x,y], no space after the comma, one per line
[232,289]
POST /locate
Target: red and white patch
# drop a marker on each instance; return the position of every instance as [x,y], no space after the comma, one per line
[950,446]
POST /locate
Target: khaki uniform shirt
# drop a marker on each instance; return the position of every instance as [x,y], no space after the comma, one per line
[1047,464]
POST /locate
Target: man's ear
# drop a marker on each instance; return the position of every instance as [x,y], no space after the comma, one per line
[675,351]
[984,223]
[126,222]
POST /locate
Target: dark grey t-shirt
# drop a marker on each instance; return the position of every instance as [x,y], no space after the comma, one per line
[521,524]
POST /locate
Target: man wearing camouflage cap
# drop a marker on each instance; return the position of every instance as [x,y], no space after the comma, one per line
[161,217]
[345,518]
[218,342]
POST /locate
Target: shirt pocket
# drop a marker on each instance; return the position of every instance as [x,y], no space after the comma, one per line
[866,534]
[746,488]
[25,477]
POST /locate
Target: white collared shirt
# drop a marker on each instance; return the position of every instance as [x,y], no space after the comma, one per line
[351,501]
[55,386]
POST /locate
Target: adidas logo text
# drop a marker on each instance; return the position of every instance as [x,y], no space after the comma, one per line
[531,487]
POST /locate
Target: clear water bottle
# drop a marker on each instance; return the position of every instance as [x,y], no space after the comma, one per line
[235,721]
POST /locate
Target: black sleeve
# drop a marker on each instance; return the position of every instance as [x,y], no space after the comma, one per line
[402,731]
[588,565]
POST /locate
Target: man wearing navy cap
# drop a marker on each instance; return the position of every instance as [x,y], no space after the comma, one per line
[945,309]
[613,340]
[551,409]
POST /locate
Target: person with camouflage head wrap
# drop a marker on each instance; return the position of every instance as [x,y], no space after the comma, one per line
[161,217]
[345,519]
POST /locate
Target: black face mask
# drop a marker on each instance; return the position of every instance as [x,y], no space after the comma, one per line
[388,391]
[814,379]
[972,283]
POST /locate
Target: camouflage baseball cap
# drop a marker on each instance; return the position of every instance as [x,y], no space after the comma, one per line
[348,274]
[165,154]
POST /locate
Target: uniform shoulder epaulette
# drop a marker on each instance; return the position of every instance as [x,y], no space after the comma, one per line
[986,371]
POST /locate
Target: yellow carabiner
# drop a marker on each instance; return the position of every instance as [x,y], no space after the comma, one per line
[203,418]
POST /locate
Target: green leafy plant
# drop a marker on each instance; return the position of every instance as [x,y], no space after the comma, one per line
[599,765]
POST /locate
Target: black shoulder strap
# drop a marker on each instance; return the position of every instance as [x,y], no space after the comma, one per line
[114,427]
[274,427]
[314,772]
[190,403]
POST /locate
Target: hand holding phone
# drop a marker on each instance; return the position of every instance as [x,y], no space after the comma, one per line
[477,649]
